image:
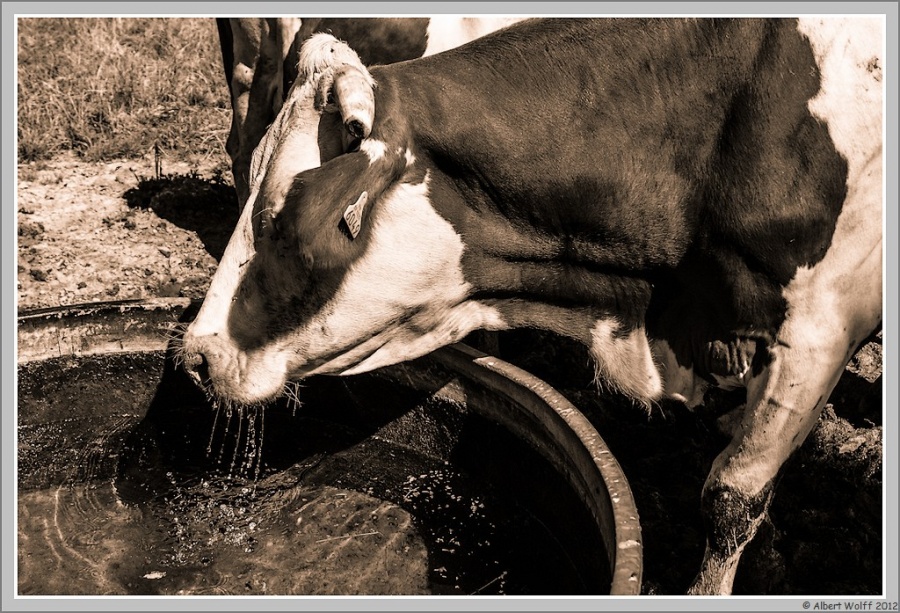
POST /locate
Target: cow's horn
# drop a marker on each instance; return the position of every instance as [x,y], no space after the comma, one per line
[355,99]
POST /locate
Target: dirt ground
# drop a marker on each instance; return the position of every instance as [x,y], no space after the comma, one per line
[112,231]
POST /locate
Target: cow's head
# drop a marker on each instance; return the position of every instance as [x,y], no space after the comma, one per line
[339,263]
[350,256]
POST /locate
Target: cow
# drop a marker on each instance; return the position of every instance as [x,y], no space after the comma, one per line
[697,201]
[260,60]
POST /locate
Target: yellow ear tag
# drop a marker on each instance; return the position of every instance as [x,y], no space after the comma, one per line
[353,214]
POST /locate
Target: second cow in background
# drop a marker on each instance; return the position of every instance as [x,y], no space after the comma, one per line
[260,59]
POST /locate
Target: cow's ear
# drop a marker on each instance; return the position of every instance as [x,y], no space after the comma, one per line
[353,92]
[348,90]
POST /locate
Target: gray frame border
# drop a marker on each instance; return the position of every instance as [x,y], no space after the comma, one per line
[402,603]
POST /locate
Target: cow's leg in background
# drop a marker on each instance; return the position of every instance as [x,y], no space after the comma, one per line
[226,46]
[233,144]
[259,48]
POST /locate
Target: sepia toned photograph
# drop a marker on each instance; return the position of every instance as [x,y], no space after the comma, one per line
[487,306]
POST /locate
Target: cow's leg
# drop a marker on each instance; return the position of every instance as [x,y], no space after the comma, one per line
[783,406]
[832,308]
[260,50]
[246,38]
[228,46]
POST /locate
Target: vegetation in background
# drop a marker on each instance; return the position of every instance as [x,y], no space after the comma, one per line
[111,88]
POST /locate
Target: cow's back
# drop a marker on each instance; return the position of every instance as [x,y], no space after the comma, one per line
[620,143]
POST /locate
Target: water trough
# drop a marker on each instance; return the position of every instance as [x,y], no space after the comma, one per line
[457,473]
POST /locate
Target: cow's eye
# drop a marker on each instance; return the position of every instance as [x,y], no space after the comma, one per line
[276,228]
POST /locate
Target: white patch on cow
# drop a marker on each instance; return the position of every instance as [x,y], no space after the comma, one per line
[410,158]
[679,383]
[241,79]
[405,297]
[263,153]
[448,32]
[850,54]
[373,148]
[213,314]
[625,362]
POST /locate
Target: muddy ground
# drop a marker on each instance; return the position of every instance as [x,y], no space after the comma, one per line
[111,231]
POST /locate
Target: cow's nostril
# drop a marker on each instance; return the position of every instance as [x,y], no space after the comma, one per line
[197,366]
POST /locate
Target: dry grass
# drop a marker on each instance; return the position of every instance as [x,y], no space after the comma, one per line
[111,88]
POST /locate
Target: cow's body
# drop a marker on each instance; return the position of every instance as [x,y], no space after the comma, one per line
[697,201]
[260,59]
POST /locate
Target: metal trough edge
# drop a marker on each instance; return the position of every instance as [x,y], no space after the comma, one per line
[579,452]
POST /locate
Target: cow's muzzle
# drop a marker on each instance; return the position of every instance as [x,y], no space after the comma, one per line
[228,374]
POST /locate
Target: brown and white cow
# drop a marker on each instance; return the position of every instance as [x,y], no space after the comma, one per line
[260,59]
[698,201]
